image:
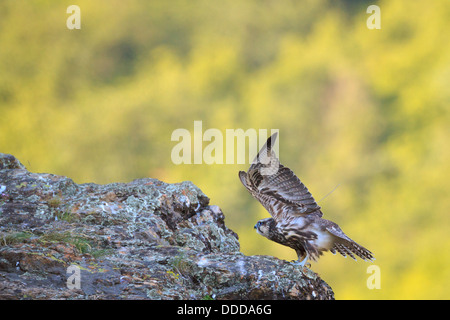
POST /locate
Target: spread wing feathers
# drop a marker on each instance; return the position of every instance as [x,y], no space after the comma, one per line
[276,187]
[266,154]
[346,246]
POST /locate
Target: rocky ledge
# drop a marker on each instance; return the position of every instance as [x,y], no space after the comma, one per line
[140,240]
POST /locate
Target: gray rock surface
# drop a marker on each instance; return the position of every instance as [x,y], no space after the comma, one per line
[140,240]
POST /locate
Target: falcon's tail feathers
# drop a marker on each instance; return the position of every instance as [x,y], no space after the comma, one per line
[351,249]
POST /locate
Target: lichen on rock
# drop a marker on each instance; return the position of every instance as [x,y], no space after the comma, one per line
[140,240]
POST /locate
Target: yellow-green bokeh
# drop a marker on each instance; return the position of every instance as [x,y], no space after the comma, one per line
[368,110]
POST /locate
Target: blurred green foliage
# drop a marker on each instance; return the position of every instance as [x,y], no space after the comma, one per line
[365,109]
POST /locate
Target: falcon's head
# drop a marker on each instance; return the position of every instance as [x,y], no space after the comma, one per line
[265,226]
[268,228]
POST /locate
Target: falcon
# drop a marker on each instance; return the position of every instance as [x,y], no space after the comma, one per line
[296,219]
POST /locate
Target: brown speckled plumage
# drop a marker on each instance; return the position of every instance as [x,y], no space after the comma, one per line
[296,217]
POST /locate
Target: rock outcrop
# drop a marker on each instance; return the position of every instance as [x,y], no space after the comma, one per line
[140,240]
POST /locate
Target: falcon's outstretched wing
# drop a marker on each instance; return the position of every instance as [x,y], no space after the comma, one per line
[276,187]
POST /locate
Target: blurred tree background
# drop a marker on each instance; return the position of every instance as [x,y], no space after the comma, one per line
[368,110]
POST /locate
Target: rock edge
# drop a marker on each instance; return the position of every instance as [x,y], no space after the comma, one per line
[140,240]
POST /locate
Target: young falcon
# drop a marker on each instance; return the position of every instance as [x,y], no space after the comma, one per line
[296,218]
